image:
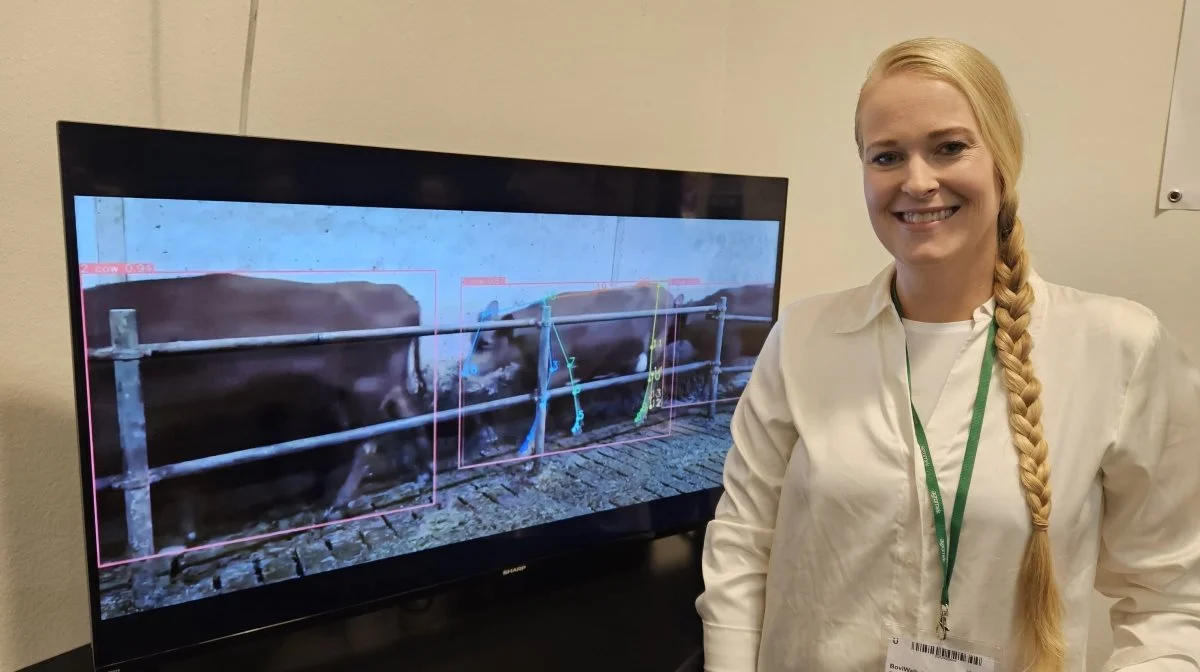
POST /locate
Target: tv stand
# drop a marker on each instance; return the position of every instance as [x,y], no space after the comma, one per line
[635,613]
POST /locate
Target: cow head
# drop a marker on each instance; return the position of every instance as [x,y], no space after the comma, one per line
[409,452]
[493,349]
[381,400]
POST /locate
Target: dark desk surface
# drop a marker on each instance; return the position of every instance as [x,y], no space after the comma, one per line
[636,619]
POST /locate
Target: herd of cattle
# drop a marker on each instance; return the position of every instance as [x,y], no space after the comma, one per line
[204,404]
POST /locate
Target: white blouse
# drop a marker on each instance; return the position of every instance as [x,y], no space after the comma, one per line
[824,531]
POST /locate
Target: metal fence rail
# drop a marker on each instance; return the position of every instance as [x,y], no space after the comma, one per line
[126,352]
[137,350]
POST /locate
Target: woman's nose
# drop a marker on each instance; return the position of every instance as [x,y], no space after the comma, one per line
[920,180]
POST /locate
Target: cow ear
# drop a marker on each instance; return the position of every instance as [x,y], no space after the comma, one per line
[390,407]
[490,312]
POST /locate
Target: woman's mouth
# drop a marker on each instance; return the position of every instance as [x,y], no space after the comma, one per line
[913,218]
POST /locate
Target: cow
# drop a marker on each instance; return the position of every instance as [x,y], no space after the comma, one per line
[207,404]
[579,352]
[268,409]
[740,339]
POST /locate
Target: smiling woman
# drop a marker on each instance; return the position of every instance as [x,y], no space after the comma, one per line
[873,416]
[946,162]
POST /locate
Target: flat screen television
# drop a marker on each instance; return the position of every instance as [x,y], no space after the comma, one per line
[315,376]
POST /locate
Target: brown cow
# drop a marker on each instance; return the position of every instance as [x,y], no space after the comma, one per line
[205,404]
[593,350]
[741,339]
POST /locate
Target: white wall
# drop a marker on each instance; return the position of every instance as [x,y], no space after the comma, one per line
[730,85]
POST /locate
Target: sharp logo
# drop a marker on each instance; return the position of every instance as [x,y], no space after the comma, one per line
[514,570]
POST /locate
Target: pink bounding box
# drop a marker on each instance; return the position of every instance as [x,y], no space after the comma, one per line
[511,296]
[700,288]
[429,276]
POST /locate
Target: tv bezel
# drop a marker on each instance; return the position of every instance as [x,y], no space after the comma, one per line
[139,162]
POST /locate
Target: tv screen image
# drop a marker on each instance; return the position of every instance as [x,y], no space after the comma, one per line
[279,390]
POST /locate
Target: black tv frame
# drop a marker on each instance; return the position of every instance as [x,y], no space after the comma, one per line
[136,162]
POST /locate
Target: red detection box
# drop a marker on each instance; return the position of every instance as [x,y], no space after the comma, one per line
[421,283]
[696,289]
[514,295]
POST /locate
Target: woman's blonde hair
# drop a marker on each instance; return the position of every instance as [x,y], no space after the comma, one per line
[980,81]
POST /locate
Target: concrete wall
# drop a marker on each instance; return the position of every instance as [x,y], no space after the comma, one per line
[428,252]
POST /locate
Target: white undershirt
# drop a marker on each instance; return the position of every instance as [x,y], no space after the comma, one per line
[933,347]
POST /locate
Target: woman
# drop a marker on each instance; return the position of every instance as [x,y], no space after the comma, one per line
[885,498]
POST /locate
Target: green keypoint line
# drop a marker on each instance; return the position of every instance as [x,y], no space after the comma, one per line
[641,414]
[569,362]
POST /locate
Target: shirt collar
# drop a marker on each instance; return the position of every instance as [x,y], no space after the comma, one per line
[869,301]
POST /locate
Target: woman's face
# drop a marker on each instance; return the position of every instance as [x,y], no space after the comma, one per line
[930,183]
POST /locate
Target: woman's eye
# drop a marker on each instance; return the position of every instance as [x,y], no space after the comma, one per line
[884,159]
[954,147]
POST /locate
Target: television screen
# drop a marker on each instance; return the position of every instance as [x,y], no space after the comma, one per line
[290,388]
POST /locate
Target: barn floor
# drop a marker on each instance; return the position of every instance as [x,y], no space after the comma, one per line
[470,503]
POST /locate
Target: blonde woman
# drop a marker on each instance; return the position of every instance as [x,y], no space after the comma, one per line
[943,464]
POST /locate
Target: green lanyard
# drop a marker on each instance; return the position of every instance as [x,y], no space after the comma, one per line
[948,547]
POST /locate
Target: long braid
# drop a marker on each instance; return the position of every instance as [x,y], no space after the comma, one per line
[1039,601]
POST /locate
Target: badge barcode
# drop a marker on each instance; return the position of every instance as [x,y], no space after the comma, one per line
[947,654]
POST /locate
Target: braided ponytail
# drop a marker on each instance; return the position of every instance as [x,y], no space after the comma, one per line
[1039,601]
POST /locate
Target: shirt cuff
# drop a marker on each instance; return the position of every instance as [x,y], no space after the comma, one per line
[730,649]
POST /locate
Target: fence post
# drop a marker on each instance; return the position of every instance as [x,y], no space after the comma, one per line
[722,305]
[131,419]
[539,446]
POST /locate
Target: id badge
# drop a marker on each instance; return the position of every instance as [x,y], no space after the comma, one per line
[910,650]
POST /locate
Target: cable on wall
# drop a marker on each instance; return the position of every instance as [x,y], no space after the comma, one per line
[250,31]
